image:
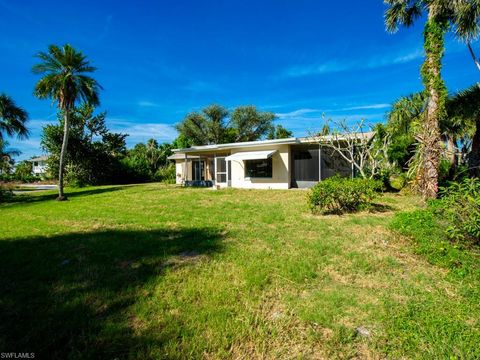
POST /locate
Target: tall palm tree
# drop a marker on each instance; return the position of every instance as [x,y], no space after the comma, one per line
[65,81]
[12,118]
[440,14]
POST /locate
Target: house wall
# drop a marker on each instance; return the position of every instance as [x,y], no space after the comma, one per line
[40,168]
[280,170]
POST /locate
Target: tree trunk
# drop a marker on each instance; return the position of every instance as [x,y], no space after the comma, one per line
[66,129]
[474,157]
[451,150]
[429,135]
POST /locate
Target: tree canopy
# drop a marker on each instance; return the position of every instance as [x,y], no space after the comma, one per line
[216,125]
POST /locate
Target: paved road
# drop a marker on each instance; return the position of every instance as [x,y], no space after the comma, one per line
[34,187]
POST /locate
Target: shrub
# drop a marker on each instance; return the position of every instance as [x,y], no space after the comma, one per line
[459,208]
[166,174]
[339,195]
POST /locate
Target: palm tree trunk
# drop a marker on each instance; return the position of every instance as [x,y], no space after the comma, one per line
[474,157]
[429,136]
[66,129]
[451,150]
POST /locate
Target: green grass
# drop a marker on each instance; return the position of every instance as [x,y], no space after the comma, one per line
[151,271]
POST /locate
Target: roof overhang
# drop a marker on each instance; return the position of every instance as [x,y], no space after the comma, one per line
[251,155]
[265,143]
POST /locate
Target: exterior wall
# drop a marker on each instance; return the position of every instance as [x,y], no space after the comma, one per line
[179,171]
[40,169]
[280,170]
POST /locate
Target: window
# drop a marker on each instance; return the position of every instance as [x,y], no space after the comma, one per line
[258,168]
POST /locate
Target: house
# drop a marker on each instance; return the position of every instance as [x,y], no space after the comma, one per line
[39,165]
[268,164]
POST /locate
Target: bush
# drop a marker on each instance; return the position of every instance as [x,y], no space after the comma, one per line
[339,195]
[459,209]
[166,174]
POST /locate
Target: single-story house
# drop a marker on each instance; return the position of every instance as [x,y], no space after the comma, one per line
[39,165]
[268,164]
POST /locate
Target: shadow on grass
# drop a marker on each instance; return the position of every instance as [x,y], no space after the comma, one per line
[68,296]
[380,208]
[36,197]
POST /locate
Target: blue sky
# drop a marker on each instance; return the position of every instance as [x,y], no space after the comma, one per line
[159,60]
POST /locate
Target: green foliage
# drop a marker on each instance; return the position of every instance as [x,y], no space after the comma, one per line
[166,174]
[459,209]
[339,195]
[447,232]
[145,161]
[23,171]
[279,132]
[12,118]
[93,154]
[216,125]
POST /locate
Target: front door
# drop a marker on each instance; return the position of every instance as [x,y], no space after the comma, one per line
[198,170]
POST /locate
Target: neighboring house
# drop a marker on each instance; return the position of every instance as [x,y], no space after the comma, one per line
[39,165]
[269,164]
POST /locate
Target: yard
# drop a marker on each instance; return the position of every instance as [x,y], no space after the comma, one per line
[151,271]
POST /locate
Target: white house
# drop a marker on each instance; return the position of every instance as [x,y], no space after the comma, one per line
[269,164]
[39,165]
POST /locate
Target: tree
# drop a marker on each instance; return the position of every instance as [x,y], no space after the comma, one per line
[464,108]
[23,170]
[440,15]
[6,157]
[403,121]
[250,124]
[279,132]
[66,82]
[467,16]
[365,149]
[93,155]
[206,127]
[12,118]
[214,126]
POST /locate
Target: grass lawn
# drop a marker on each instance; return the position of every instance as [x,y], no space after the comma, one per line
[150,271]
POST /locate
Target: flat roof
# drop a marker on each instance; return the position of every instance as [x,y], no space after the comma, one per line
[39,158]
[288,141]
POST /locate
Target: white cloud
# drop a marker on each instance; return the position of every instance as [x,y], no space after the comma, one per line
[334,66]
[365,107]
[145,103]
[140,132]
[296,113]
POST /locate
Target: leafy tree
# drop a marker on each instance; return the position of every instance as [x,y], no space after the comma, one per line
[147,159]
[206,127]
[215,125]
[66,82]
[94,154]
[440,15]
[23,170]
[250,124]
[12,118]
[181,142]
[279,132]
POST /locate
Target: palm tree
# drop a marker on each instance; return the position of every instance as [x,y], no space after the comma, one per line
[465,109]
[65,81]
[12,118]
[6,156]
[440,15]
[467,17]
